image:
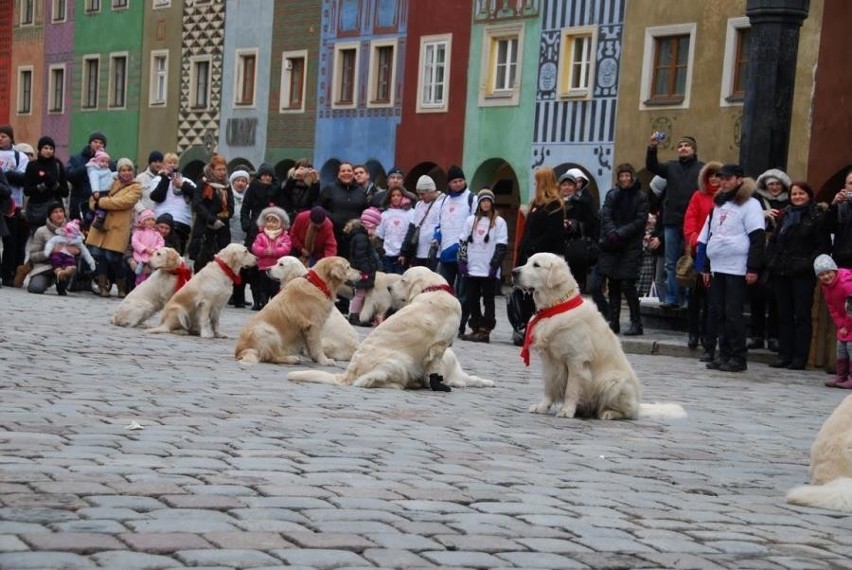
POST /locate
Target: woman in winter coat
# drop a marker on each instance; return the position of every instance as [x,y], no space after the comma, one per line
[623,218]
[108,244]
[300,191]
[44,183]
[582,229]
[800,236]
[214,205]
[840,224]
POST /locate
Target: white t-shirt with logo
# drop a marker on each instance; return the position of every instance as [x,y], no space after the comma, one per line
[392,229]
[480,252]
[728,243]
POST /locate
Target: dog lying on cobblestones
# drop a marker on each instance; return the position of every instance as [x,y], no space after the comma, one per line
[196,308]
[293,320]
[153,293]
[584,366]
[410,349]
[339,339]
[831,465]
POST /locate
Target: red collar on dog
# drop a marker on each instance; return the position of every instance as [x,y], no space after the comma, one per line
[563,307]
[317,282]
[184,273]
[235,277]
[446,288]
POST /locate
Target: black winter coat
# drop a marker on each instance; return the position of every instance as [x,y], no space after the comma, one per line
[543,232]
[792,252]
[363,257]
[5,203]
[343,203]
[622,260]
[297,197]
[681,181]
[839,222]
[44,181]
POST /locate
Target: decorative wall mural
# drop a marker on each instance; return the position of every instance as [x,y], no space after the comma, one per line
[664,125]
[738,131]
[504,9]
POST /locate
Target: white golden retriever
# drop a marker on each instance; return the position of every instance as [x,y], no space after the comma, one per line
[583,364]
[196,308]
[378,300]
[152,294]
[292,321]
[411,345]
[339,339]
[831,464]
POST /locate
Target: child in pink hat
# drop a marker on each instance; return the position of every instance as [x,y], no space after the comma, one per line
[145,241]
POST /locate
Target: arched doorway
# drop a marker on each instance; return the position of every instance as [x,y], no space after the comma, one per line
[282,168]
[377,173]
[193,170]
[497,174]
[240,164]
[833,185]
[328,172]
[429,169]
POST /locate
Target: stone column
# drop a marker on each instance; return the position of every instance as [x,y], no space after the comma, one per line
[768,104]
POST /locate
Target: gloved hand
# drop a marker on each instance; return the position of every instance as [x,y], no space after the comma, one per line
[42,187]
[492,272]
[463,268]
[218,225]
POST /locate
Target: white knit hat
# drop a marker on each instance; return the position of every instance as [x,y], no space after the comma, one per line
[824,263]
[426,183]
[238,174]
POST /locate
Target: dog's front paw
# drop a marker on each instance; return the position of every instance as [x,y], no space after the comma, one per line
[540,408]
[566,412]
[325,361]
[221,335]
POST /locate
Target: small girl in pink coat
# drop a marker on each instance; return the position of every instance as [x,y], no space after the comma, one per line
[837,291]
[145,241]
[272,242]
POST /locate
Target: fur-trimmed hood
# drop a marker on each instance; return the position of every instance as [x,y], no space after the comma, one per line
[274,210]
[709,168]
[744,192]
[780,175]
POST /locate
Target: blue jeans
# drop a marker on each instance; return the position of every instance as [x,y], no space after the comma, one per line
[673,237]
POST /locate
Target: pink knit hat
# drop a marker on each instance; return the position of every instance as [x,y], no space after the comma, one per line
[72,229]
[144,215]
[371,217]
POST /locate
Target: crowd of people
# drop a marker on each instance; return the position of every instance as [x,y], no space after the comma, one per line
[745,241]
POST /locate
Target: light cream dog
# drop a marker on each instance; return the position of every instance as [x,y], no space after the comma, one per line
[378,300]
[152,294]
[339,339]
[408,346]
[583,364]
[292,321]
[831,464]
[196,308]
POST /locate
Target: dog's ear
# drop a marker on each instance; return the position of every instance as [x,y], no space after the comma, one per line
[555,274]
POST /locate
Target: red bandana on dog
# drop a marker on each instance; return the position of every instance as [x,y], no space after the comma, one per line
[235,277]
[183,274]
[317,282]
[446,288]
[564,307]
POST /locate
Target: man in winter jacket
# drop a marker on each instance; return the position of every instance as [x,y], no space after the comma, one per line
[78,176]
[681,177]
[13,163]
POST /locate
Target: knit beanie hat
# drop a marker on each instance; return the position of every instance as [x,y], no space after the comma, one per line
[166,218]
[144,215]
[238,174]
[273,211]
[454,172]
[426,183]
[72,229]
[396,171]
[55,206]
[98,136]
[101,154]
[371,217]
[486,194]
[124,162]
[690,141]
[318,214]
[265,169]
[824,263]
[8,131]
[45,141]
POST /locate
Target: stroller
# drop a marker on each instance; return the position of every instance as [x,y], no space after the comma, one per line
[519,308]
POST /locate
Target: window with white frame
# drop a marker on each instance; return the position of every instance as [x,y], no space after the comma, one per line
[25,90]
[119,4]
[199,83]
[345,84]
[159,83]
[244,79]
[59,12]
[576,62]
[735,65]
[501,65]
[667,66]
[293,84]
[434,76]
[382,75]
[93,5]
[91,73]
[118,81]
[27,12]
[56,89]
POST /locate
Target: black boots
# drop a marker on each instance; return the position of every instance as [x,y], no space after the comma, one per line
[634,330]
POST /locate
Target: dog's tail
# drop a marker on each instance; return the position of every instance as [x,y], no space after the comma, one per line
[835,495]
[315,377]
[664,410]
[248,357]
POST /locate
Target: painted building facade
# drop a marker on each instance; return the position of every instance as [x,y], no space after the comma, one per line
[430,136]
[7,11]
[58,71]
[107,53]
[360,83]
[27,70]
[292,109]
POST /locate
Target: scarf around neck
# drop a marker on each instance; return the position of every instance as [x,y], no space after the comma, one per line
[562,307]
[234,277]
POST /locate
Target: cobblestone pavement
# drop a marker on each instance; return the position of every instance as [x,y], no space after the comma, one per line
[237,468]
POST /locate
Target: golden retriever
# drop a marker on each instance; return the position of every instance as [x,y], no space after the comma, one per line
[411,345]
[153,293]
[196,308]
[378,300]
[831,464]
[339,339]
[292,321]
[583,364]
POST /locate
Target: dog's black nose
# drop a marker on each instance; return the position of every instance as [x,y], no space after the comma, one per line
[516,272]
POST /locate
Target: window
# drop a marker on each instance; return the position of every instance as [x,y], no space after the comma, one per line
[576,62]
[434,74]
[159,78]
[91,69]
[345,75]
[382,74]
[59,11]
[245,78]
[117,80]
[501,69]
[293,80]
[735,70]
[27,12]
[119,4]
[25,91]
[667,66]
[200,84]
[93,5]
[56,90]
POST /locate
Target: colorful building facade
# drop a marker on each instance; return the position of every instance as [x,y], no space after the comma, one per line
[58,66]
[28,70]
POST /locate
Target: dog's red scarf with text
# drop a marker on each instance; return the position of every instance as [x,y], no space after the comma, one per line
[235,277]
[563,307]
[317,282]
[183,274]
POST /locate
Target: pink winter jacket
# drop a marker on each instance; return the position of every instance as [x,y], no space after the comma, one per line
[835,297]
[268,250]
[142,240]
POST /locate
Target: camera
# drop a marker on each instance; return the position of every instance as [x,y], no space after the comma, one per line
[659,136]
[849,194]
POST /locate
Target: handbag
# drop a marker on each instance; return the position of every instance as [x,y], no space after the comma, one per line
[685,270]
[414,240]
[36,214]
